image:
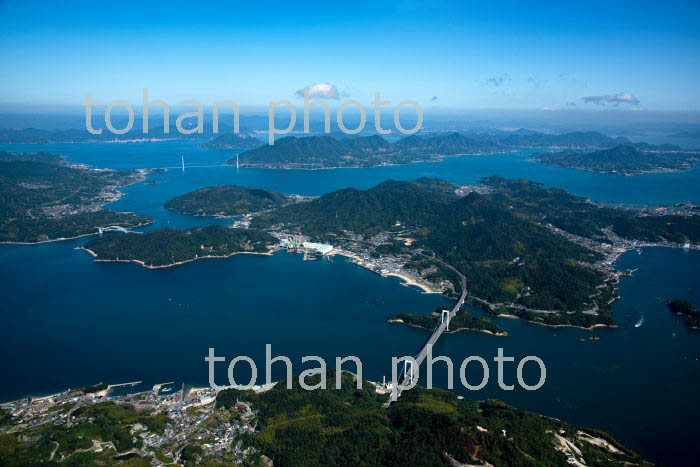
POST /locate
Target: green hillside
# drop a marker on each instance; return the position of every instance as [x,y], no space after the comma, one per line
[364,151]
[348,426]
[226,200]
[625,160]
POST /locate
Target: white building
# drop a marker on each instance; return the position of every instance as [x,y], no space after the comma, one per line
[322,248]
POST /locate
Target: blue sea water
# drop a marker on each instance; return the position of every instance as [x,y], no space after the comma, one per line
[68,321]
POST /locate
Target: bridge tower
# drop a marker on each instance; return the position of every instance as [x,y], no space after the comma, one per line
[445,318]
[408,370]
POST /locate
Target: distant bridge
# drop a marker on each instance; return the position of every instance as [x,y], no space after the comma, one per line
[114,228]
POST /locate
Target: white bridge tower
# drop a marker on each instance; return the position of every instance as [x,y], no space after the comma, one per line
[408,370]
[445,318]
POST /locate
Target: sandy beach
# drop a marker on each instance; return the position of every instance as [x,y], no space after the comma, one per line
[408,281]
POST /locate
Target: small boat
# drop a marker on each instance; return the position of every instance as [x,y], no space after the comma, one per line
[640,322]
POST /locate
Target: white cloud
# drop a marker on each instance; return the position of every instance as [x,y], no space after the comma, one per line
[321,91]
[625,97]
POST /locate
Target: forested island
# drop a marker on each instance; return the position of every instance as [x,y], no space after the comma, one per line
[233,141]
[228,200]
[539,254]
[623,160]
[681,307]
[43,199]
[315,152]
[571,140]
[169,247]
[462,321]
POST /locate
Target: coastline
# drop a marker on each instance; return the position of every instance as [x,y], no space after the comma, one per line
[436,159]
[590,328]
[148,266]
[625,174]
[37,398]
[408,282]
[454,331]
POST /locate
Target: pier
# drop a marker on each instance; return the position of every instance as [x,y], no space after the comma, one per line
[157,387]
[121,385]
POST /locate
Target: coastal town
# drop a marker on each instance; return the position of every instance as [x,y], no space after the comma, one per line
[190,423]
[359,251]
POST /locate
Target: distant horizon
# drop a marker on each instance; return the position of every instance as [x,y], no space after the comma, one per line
[615,122]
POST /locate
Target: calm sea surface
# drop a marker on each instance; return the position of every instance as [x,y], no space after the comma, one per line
[68,321]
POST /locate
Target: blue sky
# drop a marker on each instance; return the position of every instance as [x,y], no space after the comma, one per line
[470,55]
